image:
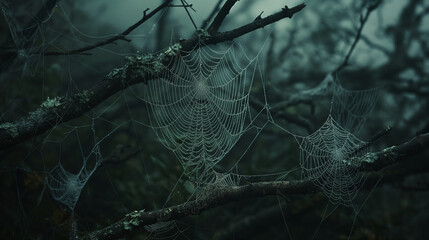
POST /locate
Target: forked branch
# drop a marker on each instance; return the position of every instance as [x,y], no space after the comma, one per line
[136,70]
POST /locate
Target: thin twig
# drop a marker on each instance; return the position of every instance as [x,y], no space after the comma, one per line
[358,36]
[189,15]
[380,134]
[181,5]
[115,38]
[115,156]
[371,141]
[190,6]
[8,57]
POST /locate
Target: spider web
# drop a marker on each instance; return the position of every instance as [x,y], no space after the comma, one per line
[327,159]
[199,109]
[66,187]
[351,108]
[199,104]
[330,156]
[27,37]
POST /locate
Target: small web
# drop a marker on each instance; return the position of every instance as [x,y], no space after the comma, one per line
[328,159]
[66,187]
[351,108]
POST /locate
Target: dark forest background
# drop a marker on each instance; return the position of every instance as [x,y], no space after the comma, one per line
[137,172]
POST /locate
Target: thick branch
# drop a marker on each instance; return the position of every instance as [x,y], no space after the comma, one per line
[219,197]
[136,70]
[389,156]
[217,21]
[216,198]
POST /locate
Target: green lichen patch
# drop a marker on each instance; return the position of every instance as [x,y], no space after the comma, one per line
[171,51]
[203,34]
[389,149]
[135,214]
[51,102]
[144,67]
[84,96]
[168,211]
[114,73]
[38,115]
[389,152]
[43,110]
[10,128]
[128,225]
[369,157]
[133,219]
[357,161]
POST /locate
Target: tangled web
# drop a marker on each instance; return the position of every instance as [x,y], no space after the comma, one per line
[66,187]
[199,104]
[26,36]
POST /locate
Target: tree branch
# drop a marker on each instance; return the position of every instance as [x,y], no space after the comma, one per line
[260,23]
[363,20]
[189,15]
[217,21]
[215,198]
[389,156]
[136,70]
[115,38]
[306,96]
[211,15]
